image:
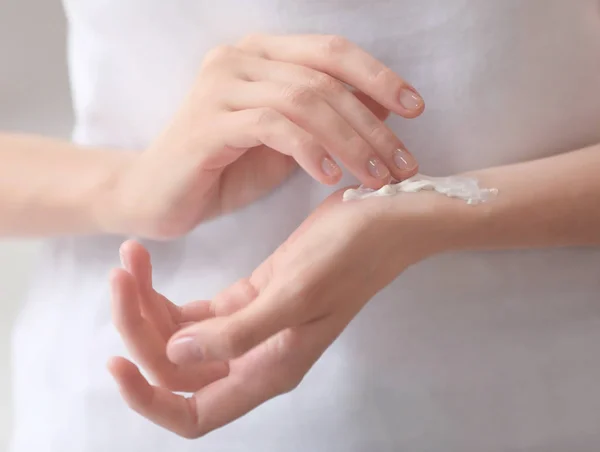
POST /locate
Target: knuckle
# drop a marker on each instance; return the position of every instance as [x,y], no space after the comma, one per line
[357,146]
[233,340]
[305,144]
[226,302]
[299,96]
[266,117]
[323,83]
[247,289]
[379,133]
[382,76]
[334,45]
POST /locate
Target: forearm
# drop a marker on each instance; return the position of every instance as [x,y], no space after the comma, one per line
[51,187]
[553,202]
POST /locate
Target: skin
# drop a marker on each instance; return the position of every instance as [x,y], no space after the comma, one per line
[246,121]
[256,111]
[260,336]
[301,310]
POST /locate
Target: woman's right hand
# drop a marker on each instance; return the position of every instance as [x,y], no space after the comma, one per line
[255,109]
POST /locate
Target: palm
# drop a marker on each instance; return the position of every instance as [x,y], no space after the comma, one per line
[146,320]
[222,391]
[226,390]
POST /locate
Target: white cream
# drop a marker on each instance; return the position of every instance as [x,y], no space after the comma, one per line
[464,188]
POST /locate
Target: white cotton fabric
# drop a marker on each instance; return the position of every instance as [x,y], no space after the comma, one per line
[467,352]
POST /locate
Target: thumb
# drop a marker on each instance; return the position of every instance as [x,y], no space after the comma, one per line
[230,336]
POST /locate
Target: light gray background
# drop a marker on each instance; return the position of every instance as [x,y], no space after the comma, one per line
[33,98]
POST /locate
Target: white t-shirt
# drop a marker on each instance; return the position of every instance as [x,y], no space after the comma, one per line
[466,352]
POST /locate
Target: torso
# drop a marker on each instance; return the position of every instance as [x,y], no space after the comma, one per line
[466,352]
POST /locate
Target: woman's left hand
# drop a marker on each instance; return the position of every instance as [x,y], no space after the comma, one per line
[258,338]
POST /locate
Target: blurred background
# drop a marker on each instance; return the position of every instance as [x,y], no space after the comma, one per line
[34,97]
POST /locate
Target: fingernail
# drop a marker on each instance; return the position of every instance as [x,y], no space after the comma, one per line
[378,169]
[183,350]
[329,167]
[404,160]
[410,100]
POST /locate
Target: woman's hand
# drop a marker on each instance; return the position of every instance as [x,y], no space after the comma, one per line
[269,329]
[255,109]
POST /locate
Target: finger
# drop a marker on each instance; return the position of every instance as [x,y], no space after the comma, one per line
[354,109]
[142,340]
[228,399]
[184,347]
[225,303]
[285,364]
[195,311]
[276,71]
[159,405]
[213,406]
[154,307]
[340,58]
[258,126]
[401,161]
[378,110]
[228,337]
[146,344]
[234,297]
[304,107]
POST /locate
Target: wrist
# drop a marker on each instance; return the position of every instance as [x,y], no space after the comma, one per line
[105,196]
[435,224]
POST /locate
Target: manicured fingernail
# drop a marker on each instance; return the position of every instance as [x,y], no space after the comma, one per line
[329,167]
[410,100]
[404,160]
[378,169]
[184,350]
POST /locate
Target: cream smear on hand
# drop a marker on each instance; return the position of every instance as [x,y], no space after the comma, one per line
[464,188]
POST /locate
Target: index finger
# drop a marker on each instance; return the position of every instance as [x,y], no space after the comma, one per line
[344,60]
